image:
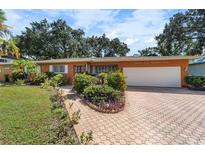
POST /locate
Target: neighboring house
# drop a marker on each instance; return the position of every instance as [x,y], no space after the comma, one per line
[164,71]
[197,67]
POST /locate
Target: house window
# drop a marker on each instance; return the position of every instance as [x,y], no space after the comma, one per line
[3,60]
[58,68]
[103,68]
[80,68]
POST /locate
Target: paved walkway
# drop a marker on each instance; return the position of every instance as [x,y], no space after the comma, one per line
[151,116]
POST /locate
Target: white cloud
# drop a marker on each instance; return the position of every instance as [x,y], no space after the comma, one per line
[91,18]
[130,41]
[12,16]
[150,40]
[18,21]
[112,35]
[13,20]
[137,28]
[141,24]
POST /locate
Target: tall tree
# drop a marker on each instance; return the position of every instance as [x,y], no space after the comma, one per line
[102,46]
[46,40]
[151,51]
[117,48]
[183,35]
[51,40]
[69,42]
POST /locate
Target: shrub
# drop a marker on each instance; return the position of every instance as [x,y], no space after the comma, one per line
[86,138]
[39,78]
[99,93]
[75,117]
[46,84]
[116,80]
[20,82]
[103,77]
[62,131]
[195,81]
[81,81]
[19,75]
[58,97]
[23,69]
[50,74]
[56,80]
[60,113]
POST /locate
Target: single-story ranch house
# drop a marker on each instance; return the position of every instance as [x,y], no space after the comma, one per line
[163,71]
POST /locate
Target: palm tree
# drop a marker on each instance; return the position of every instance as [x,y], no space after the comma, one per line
[4,29]
[7,46]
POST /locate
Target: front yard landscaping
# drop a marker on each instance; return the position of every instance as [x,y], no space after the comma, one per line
[196,82]
[36,114]
[26,117]
[104,92]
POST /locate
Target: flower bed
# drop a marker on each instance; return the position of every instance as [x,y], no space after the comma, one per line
[107,107]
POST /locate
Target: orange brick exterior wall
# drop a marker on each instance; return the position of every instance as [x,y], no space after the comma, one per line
[183,64]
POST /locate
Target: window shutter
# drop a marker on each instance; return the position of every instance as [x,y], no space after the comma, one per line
[50,68]
[66,69]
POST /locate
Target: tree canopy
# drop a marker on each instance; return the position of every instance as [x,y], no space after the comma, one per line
[44,40]
[183,35]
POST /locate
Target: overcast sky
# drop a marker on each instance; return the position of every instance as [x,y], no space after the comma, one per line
[137,28]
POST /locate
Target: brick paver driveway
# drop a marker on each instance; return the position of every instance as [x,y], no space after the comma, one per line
[151,116]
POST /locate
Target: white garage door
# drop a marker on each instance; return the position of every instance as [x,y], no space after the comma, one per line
[153,76]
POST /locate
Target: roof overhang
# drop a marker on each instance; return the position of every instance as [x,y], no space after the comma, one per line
[114,59]
[117,59]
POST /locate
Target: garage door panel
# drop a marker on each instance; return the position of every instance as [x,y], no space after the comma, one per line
[153,76]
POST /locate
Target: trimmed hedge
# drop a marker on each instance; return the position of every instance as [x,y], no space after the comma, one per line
[195,81]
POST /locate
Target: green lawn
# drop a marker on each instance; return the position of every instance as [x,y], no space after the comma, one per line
[25,115]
